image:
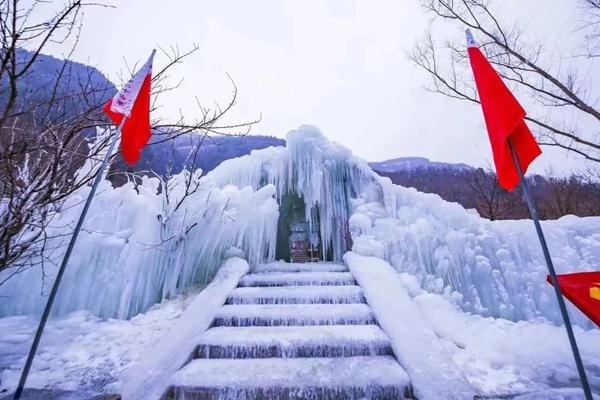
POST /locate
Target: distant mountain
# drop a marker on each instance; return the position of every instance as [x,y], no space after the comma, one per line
[178,153]
[476,188]
[411,163]
[71,86]
[57,106]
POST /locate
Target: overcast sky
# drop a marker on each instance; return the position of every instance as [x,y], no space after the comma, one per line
[338,64]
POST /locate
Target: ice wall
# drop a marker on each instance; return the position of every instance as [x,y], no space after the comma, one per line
[489,268]
[325,174]
[137,250]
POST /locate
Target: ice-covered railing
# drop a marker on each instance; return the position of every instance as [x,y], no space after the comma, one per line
[136,250]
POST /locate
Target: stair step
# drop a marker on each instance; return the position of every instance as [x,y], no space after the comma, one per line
[294,314]
[291,378]
[297,295]
[300,267]
[292,342]
[298,279]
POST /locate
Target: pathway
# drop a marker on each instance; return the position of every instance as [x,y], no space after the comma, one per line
[293,331]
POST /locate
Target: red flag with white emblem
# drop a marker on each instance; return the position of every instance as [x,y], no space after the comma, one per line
[583,290]
[504,118]
[133,103]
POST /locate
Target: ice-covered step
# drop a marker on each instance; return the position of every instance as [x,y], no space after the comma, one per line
[296,341]
[300,267]
[297,295]
[291,378]
[298,279]
[294,314]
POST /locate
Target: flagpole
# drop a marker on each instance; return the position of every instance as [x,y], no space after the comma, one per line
[561,302]
[63,265]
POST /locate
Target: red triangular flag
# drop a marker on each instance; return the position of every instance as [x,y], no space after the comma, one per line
[504,118]
[133,102]
[583,290]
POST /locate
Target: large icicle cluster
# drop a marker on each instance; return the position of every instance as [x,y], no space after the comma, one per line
[489,268]
[325,174]
[137,250]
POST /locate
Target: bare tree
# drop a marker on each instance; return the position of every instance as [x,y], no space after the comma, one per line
[591,177]
[44,132]
[491,201]
[564,111]
[591,28]
[564,195]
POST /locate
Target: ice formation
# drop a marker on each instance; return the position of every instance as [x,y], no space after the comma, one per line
[138,250]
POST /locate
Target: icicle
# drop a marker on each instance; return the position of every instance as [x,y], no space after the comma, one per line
[138,250]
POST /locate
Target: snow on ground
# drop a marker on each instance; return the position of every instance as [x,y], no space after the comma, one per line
[502,357]
[497,356]
[80,351]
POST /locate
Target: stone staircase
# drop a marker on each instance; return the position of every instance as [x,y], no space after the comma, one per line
[293,331]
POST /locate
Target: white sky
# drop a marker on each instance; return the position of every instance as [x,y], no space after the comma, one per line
[338,64]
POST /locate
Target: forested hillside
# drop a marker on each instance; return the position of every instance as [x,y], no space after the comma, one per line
[477,189]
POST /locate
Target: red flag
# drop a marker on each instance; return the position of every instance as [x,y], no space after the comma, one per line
[504,118]
[133,102]
[583,290]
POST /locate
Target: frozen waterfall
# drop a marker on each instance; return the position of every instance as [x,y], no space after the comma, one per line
[137,249]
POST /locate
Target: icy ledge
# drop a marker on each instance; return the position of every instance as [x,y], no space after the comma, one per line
[433,374]
[149,378]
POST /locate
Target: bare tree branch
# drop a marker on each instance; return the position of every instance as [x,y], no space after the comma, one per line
[520,64]
[45,130]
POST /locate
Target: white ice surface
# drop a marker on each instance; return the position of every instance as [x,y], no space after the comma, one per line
[297,278]
[433,373]
[295,372]
[492,268]
[297,294]
[121,265]
[295,335]
[296,314]
[281,266]
[136,250]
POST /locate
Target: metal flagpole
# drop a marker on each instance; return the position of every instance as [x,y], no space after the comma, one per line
[63,265]
[561,302]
